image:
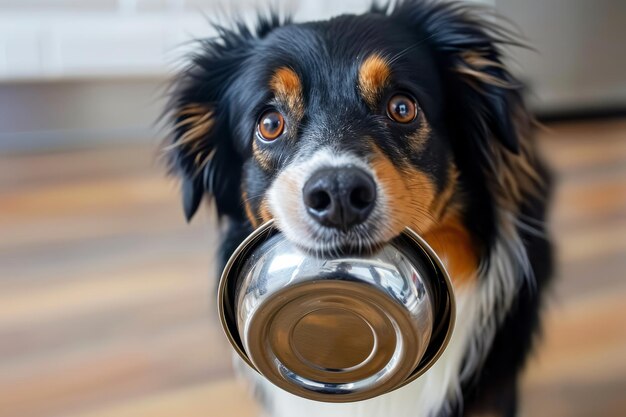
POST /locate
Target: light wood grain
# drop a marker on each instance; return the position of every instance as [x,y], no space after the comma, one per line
[106,294]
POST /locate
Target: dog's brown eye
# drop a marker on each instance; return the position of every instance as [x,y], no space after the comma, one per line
[401,108]
[271,125]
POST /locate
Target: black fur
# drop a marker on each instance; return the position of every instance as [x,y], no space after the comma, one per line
[229,74]
[204,82]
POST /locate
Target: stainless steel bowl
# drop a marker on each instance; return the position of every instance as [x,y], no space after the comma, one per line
[341,329]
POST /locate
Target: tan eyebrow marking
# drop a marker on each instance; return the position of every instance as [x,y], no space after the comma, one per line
[374,76]
[287,87]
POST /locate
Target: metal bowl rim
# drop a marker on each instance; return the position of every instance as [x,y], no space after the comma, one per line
[417,239]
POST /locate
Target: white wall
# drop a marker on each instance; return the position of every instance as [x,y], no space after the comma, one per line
[76,39]
[86,71]
[90,71]
[580,57]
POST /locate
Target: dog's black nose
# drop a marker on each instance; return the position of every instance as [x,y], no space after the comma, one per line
[339,197]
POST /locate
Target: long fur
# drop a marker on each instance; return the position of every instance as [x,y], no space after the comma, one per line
[502,193]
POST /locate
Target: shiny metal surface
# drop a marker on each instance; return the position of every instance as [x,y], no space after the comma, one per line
[336,330]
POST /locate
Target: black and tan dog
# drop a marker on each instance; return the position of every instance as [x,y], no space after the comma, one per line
[346,131]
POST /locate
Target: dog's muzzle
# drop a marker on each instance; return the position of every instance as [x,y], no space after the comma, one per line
[341,329]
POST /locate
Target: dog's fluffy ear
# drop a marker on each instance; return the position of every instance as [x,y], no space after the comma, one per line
[200,148]
[467,46]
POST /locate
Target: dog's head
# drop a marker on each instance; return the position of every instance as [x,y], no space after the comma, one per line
[346,131]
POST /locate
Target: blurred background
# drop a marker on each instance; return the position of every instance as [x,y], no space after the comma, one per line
[106,305]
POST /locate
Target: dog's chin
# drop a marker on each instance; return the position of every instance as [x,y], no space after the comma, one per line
[332,243]
[332,250]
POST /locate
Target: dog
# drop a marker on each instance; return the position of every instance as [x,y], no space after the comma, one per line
[348,130]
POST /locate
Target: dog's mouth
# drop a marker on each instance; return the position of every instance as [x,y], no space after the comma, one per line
[326,242]
[333,205]
[330,243]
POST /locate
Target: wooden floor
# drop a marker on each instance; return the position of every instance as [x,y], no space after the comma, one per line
[106,294]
